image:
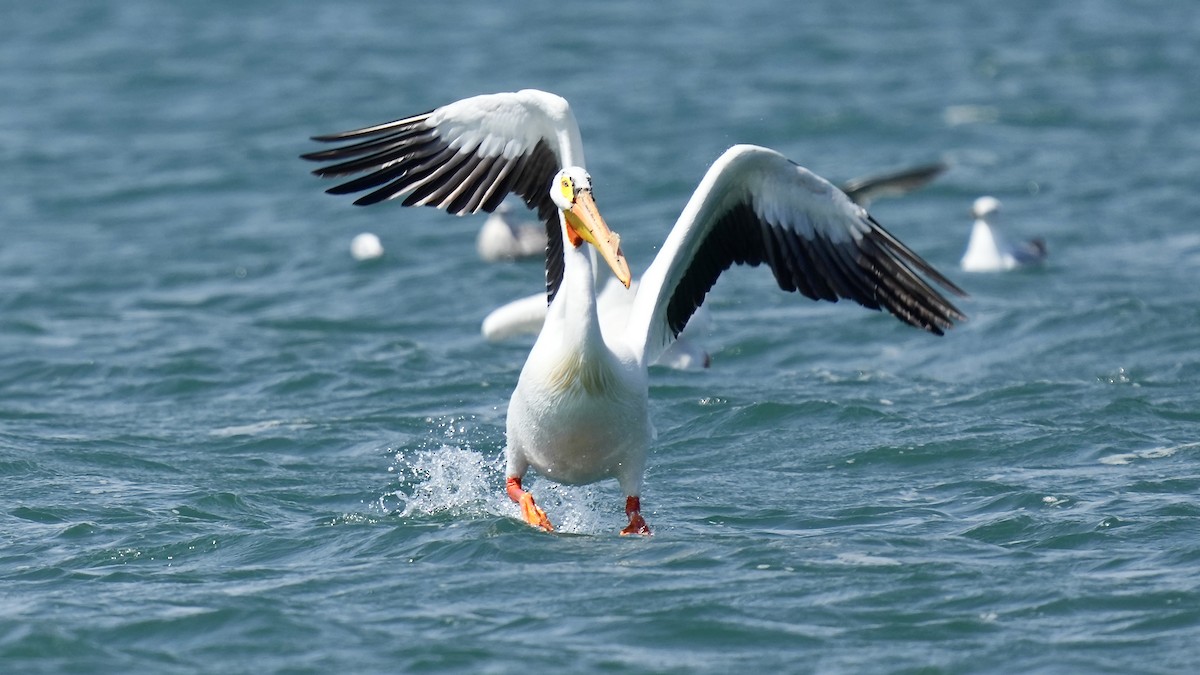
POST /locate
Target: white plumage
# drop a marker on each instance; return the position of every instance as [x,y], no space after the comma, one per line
[527,315]
[500,240]
[988,251]
[580,412]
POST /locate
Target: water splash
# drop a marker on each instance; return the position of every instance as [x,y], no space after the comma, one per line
[448,476]
[581,509]
[1120,377]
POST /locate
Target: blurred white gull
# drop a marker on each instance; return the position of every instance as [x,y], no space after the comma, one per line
[501,239]
[987,251]
[526,315]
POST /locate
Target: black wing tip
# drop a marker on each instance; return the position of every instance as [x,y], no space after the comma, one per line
[324,172]
[905,253]
[864,189]
[904,281]
[939,315]
[317,156]
[331,138]
[369,198]
[923,172]
[340,190]
[339,136]
[927,170]
[948,285]
[373,130]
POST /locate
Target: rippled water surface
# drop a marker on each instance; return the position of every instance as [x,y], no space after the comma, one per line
[226,446]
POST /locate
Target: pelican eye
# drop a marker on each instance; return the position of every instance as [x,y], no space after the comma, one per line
[567,186]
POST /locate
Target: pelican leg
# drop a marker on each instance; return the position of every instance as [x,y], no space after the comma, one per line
[531,512]
[637,524]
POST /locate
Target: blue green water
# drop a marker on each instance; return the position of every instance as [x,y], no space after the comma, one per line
[226,446]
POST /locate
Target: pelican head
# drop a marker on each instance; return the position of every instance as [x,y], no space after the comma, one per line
[985,206]
[572,194]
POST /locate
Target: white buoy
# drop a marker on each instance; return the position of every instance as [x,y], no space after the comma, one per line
[366,246]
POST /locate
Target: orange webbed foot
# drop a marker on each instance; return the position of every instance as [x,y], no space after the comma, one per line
[533,514]
[637,524]
[530,511]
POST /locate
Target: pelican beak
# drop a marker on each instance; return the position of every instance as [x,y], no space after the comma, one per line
[584,221]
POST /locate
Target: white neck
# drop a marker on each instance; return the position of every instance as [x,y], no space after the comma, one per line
[574,306]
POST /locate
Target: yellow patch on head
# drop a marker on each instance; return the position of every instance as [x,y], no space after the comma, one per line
[567,186]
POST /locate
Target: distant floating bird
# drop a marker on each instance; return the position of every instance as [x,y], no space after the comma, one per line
[580,410]
[366,246]
[987,251]
[526,315]
[501,239]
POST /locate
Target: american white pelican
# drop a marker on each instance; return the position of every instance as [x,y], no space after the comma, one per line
[502,239]
[525,316]
[987,251]
[580,412]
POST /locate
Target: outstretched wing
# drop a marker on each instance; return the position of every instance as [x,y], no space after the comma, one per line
[866,189]
[464,157]
[755,206]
